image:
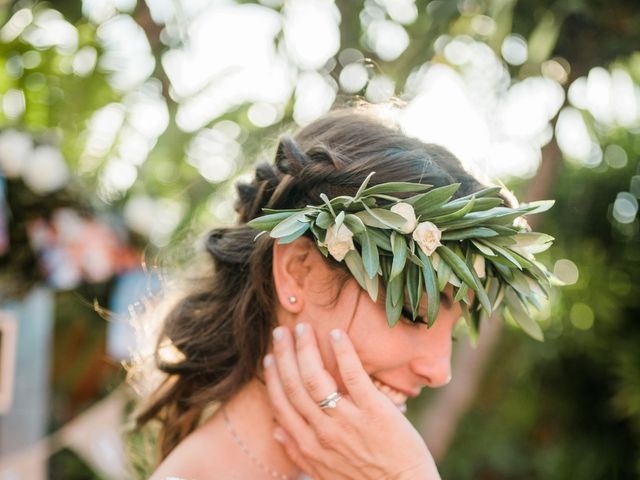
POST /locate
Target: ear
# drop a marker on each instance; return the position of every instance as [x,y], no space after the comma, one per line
[292,267]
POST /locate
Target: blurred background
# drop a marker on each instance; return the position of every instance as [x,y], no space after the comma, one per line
[124,124]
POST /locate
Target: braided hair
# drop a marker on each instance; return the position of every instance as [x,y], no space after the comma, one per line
[223,329]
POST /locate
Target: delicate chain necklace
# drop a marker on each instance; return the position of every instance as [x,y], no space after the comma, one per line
[245,449]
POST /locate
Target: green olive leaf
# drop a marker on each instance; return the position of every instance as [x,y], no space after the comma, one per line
[380,238]
[503,252]
[267,222]
[481,294]
[521,316]
[399,247]
[486,251]
[480,204]
[473,232]
[457,265]
[370,220]
[339,220]
[290,226]
[431,287]
[354,263]
[327,202]
[370,254]
[295,235]
[424,203]
[387,217]
[396,187]
[396,289]
[538,206]
[393,311]
[444,274]
[470,322]
[414,288]
[324,219]
[442,219]
[461,293]
[354,223]
[363,187]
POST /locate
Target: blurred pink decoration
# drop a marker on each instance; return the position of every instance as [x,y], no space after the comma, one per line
[75,249]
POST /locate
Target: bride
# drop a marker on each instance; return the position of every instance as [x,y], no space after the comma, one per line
[307,369]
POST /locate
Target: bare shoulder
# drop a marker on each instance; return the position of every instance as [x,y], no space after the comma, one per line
[204,454]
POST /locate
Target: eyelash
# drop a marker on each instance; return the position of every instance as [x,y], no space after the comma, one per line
[406,313]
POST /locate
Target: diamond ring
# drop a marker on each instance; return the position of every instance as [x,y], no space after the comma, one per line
[330,401]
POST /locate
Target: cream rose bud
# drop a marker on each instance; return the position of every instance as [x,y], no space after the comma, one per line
[479,266]
[427,235]
[339,241]
[405,210]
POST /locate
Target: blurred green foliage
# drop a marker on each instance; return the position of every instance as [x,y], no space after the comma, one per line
[569,407]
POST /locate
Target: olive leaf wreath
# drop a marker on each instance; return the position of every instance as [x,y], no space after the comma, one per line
[422,243]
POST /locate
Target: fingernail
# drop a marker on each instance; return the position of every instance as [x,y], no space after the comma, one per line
[300,329]
[278,333]
[336,335]
[267,361]
[278,435]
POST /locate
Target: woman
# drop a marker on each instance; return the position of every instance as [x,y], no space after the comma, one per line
[284,340]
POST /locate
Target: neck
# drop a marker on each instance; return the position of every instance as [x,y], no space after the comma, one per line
[251,417]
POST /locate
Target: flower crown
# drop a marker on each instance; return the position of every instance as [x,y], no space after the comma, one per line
[422,243]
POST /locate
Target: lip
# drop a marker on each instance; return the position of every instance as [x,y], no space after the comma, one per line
[409,393]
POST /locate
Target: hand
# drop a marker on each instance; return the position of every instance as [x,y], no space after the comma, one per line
[364,437]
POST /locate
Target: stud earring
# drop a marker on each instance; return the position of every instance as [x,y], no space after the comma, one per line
[292,299]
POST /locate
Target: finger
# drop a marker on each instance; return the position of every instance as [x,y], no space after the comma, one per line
[316,379]
[293,452]
[285,413]
[292,386]
[305,441]
[355,378]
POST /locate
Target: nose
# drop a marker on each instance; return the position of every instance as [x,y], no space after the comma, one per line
[433,361]
[434,370]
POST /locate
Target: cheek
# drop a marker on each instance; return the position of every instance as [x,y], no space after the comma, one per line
[325,317]
[328,358]
[378,345]
[440,336]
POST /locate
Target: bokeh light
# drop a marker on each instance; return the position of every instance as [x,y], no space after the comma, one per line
[566,270]
[581,316]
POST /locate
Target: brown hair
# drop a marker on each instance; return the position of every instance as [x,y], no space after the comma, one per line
[223,329]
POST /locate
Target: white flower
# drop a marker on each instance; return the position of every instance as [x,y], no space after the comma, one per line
[427,235]
[339,242]
[405,210]
[521,222]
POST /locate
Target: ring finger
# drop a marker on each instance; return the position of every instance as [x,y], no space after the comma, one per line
[285,413]
[290,379]
[318,382]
